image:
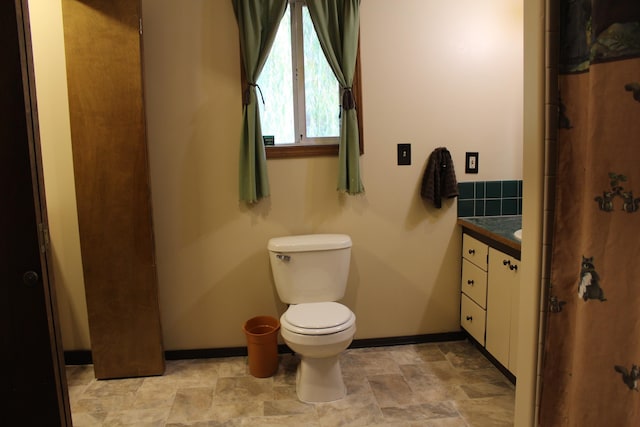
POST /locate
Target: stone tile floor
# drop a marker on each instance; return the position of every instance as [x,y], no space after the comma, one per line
[436,384]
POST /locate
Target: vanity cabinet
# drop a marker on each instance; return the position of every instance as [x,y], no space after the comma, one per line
[489,299]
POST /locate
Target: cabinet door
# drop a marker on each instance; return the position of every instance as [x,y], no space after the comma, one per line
[501,287]
[513,336]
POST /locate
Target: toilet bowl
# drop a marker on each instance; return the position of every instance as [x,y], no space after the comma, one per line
[318,332]
[310,273]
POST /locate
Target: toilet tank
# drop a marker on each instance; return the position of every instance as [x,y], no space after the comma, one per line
[310,268]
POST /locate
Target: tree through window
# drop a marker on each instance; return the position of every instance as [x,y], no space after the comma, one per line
[301,93]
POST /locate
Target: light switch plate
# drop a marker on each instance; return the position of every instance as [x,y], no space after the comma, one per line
[404,154]
[471,162]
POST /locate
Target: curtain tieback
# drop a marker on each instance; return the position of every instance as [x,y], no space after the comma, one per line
[247,94]
[348,101]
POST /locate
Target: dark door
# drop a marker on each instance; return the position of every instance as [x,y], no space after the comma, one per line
[32,383]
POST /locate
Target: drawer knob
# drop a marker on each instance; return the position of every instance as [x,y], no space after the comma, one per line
[470,318]
[513,267]
[506,262]
[472,251]
[470,282]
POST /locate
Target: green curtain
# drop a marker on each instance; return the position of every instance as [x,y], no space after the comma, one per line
[257,23]
[337,24]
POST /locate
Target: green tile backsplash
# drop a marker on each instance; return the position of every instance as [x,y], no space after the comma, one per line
[490,198]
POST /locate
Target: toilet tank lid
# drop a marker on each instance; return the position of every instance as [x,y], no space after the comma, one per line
[309,242]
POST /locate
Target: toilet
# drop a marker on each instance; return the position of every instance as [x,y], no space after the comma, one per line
[310,274]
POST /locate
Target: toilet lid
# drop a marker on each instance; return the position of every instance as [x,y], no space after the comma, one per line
[318,318]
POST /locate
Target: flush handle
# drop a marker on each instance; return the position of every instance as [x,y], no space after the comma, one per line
[283,257]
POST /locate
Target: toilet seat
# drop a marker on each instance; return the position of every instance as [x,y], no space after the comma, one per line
[317,318]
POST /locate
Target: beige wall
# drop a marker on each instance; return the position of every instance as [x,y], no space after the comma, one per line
[55,135]
[434,74]
[458,78]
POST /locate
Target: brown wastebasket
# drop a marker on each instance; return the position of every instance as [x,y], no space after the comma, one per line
[262,345]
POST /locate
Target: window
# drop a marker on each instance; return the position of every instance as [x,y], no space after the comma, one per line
[301,109]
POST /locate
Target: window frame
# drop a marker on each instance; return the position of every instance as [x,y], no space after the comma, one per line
[311,149]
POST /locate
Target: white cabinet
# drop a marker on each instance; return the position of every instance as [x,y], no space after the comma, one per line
[489,299]
[474,282]
[472,318]
[502,308]
[474,287]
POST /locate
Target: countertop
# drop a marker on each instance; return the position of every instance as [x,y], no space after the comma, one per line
[496,228]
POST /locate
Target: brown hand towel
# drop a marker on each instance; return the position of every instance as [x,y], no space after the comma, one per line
[439,178]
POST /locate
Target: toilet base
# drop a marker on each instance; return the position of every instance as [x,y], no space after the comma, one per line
[320,380]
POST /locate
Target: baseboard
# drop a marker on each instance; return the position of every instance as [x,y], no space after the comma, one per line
[83,357]
[78,357]
[411,339]
[211,353]
[489,356]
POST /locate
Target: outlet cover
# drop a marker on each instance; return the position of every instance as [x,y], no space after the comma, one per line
[404,154]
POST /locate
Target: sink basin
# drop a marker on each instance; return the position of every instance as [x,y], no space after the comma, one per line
[518,234]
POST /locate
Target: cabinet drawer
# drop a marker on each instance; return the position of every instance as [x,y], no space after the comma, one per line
[475,251]
[474,283]
[472,318]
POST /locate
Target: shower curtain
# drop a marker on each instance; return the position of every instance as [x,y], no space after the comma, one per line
[591,357]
